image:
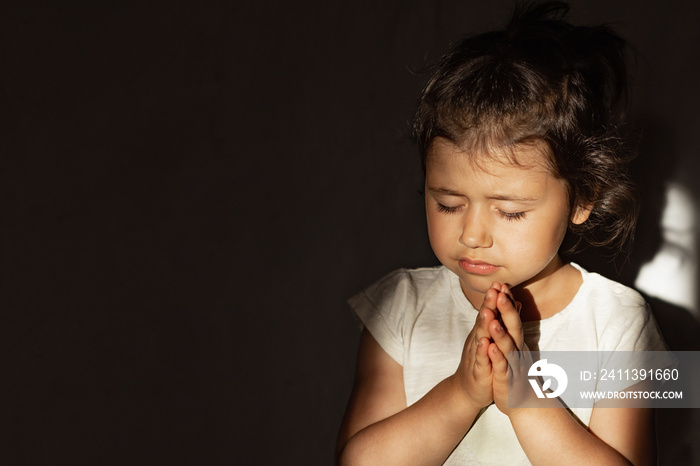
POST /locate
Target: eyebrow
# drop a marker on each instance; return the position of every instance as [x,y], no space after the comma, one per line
[496,196]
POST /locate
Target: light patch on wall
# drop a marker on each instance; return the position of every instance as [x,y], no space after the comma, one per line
[672,274]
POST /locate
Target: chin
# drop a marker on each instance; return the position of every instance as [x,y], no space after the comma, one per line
[479,285]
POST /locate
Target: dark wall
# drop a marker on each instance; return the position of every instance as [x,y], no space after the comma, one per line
[191,191]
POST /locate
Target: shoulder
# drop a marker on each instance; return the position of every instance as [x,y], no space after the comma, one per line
[611,294]
[623,318]
[405,284]
[389,307]
[417,277]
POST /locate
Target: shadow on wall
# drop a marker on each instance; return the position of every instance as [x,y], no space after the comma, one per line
[662,266]
[677,430]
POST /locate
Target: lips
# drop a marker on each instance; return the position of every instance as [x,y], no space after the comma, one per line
[478,267]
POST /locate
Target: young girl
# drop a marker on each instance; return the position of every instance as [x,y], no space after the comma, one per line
[517,133]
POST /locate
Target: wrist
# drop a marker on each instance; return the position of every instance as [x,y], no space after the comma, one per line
[461,396]
[525,416]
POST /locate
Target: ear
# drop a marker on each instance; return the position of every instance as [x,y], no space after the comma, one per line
[580,214]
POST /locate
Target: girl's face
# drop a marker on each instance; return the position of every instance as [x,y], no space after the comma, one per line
[495,221]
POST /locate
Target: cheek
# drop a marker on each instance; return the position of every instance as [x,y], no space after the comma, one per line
[543,239]
[516,242]
[435,230]
[440,233]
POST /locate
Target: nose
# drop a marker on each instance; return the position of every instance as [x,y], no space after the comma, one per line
[476,231]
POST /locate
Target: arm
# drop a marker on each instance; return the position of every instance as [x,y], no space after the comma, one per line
[615,436]
[631,431]
[628,439]
[380,429]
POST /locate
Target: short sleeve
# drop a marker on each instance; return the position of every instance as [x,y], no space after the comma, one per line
[382,309]
[633,327]
[634,341]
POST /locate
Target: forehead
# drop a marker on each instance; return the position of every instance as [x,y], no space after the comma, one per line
[520,171]
[528,156]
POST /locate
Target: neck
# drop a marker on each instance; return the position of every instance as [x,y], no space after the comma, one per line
[549,292]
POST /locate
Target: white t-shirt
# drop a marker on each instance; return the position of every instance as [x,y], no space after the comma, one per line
[421,318]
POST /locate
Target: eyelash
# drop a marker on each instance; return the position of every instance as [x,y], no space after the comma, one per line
[509,216]
[447,209]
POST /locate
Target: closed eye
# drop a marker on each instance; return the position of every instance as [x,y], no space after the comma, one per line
[447,209]
[511,216]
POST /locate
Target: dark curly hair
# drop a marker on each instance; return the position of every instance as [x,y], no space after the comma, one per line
[542,80]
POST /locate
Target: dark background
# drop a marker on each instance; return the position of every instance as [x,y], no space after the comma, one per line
[190,191]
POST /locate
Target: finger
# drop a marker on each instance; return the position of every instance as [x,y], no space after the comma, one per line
[499,363]
[491,297]
[501,338]
[518,305]
[482,361]
[486,316]
[487,313]
[510,316]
